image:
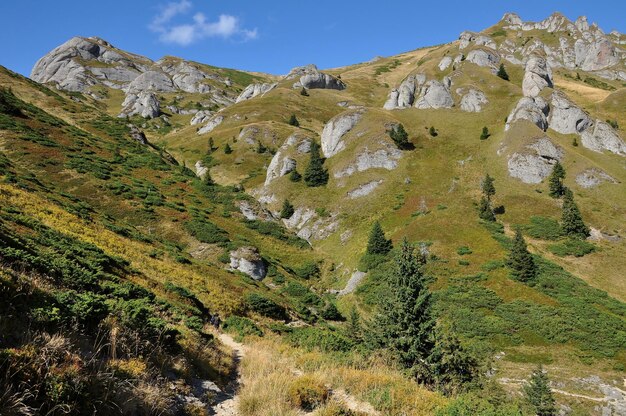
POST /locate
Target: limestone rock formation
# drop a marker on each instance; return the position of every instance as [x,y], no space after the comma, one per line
[201,170]
[365,189]
[601,136]
[484,57]
[151,81]
[445,62]
[535,163]
[248,261]
[279,166]
[566,117]
[435,94]
[311,77]
[470,38]
[386,158]
[145,104]
[590,178]
[200,117]
[534,110]
[537,76]
[472,100]
[253,90]
[417,91]
[213,122]
[335,129]
[310,226]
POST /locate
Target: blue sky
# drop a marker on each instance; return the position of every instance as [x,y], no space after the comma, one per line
[267,35]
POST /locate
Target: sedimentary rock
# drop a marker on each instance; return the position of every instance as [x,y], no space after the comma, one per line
[537,76]
[248,261]
[534,110]
[200,117]
[484,57]
[279,166]
[365,189]
[211,124]
[143,103]
[334,131]
[535,163]
[473,100]
[253,90]
[590,178]
[565,116]
[386,158]
[601,136]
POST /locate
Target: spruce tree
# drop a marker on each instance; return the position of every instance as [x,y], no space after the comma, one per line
[287,210]
[399,136]
[295,176]
[539,395]
[502,73]
[487,187]
[520,260]
[354,328]
[227,149]
[485,134]
[432,131]
[484,210]
[377,243]
[572,222]
[407,319]
[452,366]
[304,92]
[555,182]
[211,145]
[315,174]
[293,121]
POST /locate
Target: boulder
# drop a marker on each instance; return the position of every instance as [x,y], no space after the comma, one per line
[566,117]
[473,100]
[484,57]
[200,117]
[143,103]
[201,170]
[151,81]
[601,136]
[211,124]
[599,54]
[334,131]
[309,226]
[365,189]
[467,38]
[537,76]
[404,95]
[445,62]
[535,163]
[279,166]
[253,90]
[386,158]
[534,110]
[435,94]
[187,76]
[310,77]
[590,178]
[247,260]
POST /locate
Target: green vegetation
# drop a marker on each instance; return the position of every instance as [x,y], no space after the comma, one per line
[227,149]
[293,121]
[241,326]
[287,209]
[543,228]
[265,306]
[557,189]
[502,73]
[485,134]
[400,137]
[572,247]
[304,92]
[520,261]
[539,394]
[315,175]
[571,220]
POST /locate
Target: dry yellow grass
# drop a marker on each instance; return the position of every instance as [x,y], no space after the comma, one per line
[580,91]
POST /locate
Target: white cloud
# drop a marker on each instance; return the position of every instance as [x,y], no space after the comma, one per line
[226,26]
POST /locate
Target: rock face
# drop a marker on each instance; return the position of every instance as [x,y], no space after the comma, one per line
[600,136]
[435,94]
[566,117]
[211,124]
[386,158]
[416,91]
[535,164]
[253,90]
[484,57]
[151,81]
[537,76]
[310,77]
[445,62]
[201,170]
[248,261]
[334,131]
[143,103]
[470,38]
[279,166]
[472,100]
[310,226]
[590,178]
[365,189]
[534,110]
[201,117]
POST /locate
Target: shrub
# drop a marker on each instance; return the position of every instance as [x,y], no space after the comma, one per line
[399,136]
[304,92]
[205,231]
[331,313]
[241,326]
[265,306]
[463,250]
[543,228]
[432,131]
[325,340]
[502,73]
[293,121]
[307,393]
[308,270]
[485,134]
[572,247]
[294,176]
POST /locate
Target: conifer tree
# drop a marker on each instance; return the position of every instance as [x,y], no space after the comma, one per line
[452,366]
[287,210]
[520,260]
[354,328]
[487,187]
[485,134]
[315,174]
[571,220]
[555,182]
[399,136]
[502,73]
[377,243]
[295,176]
[407,320]
[293,121]
[227,149]
[484,210]
[432,131]
[207,179]
[539,395]
[211,145]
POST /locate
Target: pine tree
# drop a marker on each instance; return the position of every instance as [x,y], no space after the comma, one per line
[539,394]
[293,121]
[555,182]
[487,187]
[520,260]
[304,92]
[432,131]
[207,179]
[287,210]
[485,134]
[294,176]
[227,149]
[355,331]
[484,210]
[377,243]
[502,73]
[315,174]
[211,146]
[571,220]
[399,136]
[406,320]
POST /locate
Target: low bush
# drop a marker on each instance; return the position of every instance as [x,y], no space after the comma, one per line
[265,306]
[543,228]
[308,393]
[241,326]
[572,247]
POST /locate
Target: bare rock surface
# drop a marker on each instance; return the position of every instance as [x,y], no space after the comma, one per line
[248,261]
[334,131]
[535,163]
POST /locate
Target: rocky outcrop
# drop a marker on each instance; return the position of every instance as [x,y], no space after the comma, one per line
[566,117]
[404,95]
[253,211]
[472,100]
[537,76]
[200,117]
[211,124]
[365,189]
[601,136]
[484,57]
[201,170]
[386,158]
[188,77]
[310,77]
[247,260]
[279,166]
[144,104]
[310,226]
[535,163]
[534,110]
[435,94]
[445,62]
[590,178]
[416,91]
[334,131]
[151,81]
[254,90]
[470,38]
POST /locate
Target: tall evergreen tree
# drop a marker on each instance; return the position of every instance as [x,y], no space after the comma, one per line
[484,210]
[315,174]
[485,134]
[355,330]
[295,176]
[487,187]
[287,210]
[555,182]
[520,260]
[502,73]
[406,320]
[293,121]
[399,136]
[539,394]
[377,243]
[571,220]
[227,149]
